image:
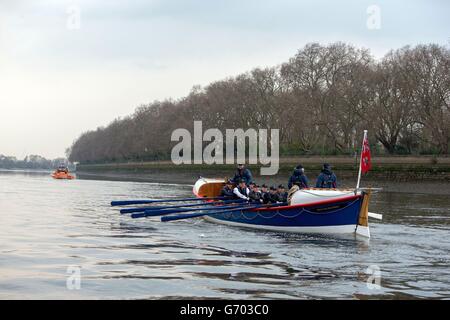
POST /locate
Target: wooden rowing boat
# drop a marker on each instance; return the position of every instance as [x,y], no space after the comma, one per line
[323,211]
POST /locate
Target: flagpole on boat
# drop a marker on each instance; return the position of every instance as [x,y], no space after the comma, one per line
[360,159]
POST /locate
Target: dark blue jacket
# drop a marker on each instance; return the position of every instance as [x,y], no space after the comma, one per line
[255,196]
[245,175]
[326,179]
[265,196]
[282,197]
[298,175]
[227,192]
[270,198]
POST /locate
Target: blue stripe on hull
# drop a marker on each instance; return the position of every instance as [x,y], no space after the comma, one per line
[336,214]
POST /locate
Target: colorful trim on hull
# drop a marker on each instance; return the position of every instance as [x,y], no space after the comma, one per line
[342,213]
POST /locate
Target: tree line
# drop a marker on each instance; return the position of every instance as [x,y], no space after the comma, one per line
[31,162]
[321,100]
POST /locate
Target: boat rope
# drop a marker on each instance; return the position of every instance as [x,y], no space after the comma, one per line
[256,214]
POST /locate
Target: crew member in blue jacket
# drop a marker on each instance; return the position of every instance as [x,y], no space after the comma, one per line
[242,173]
[282,194]
[326,179]
[227,190]
[298,174]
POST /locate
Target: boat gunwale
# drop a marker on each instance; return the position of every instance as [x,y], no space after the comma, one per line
[311,204]
[336,199]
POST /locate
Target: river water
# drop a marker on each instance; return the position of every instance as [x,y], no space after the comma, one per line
[62,240]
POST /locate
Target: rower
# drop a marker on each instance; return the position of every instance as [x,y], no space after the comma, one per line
[282,194]
[241,191]
[326,178]
[265,194]
[299,175]
[227,190]
[272,195]
[255,195]
[243,173]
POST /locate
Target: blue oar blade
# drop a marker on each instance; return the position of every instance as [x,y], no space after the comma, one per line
[157,208]
[127,203]
[184,216]
[154,213]
[209,203]
[131,202]
[196,215]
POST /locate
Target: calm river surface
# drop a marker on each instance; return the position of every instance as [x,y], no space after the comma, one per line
[48,226]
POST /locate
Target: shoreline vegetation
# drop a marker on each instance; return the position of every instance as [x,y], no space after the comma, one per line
[390,168]
[320,100]
[32,162]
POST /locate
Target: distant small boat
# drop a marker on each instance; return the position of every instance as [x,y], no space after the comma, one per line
[323,211]
[62,173]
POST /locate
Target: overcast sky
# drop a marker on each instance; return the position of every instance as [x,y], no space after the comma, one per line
[60,76]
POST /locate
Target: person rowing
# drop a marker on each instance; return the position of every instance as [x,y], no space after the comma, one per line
[242,173]
[227,190]
[241,191]
[326,179]
[273,195]
[282,194]
[255,195]
[265,194]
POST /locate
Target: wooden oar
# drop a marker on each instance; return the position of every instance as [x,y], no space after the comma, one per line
[131,202]
[153,213]
[155,208]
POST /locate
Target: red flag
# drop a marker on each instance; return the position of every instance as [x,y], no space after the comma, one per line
[366,163]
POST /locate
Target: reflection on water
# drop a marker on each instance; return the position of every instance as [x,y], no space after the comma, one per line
[48,225]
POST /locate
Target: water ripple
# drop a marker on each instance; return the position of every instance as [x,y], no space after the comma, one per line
[57,224]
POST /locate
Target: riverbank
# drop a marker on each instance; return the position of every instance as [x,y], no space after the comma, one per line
[426,175]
